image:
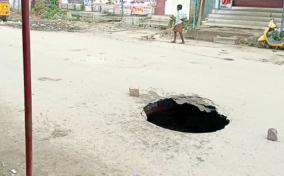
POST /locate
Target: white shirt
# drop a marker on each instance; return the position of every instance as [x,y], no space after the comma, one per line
[180,15]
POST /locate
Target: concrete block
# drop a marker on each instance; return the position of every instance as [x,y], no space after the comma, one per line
[78,7]
[272,134]
[88,8]
[134,92]
[64,6]
[133,20]
[226,40]
[71,7]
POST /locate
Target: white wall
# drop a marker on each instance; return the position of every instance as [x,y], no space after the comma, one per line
[217,3]
[15,4]
[171,6]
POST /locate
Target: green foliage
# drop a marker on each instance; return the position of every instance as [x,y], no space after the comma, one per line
[47,9]
[39,7]
[187,26]
[52,11]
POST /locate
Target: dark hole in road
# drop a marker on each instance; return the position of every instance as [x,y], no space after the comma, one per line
[186,114]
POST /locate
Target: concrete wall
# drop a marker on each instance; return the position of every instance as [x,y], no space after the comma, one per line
[217,3]
[171,6]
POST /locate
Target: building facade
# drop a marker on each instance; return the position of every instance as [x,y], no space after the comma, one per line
[259,3]
[254,3]
[247,14]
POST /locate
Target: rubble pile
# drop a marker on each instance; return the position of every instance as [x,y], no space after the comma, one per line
[49,25]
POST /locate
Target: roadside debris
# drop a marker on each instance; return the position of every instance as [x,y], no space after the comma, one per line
[134,92]
[49,25]
[148,37]
[272,134]
[13,171]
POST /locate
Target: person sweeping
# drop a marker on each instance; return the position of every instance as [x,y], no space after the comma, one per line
[179,19]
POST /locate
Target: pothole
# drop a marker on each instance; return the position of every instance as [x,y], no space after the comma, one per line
[191,114]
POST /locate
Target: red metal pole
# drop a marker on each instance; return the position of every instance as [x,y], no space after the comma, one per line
[27,84]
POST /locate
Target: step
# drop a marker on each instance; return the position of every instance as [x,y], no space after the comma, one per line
[257,9]
[226,40]
[157,23]
[86,14]
[162,21]
[246,13]
[160,18]
[230,31]
[209,24]
[246,18]
[240,22]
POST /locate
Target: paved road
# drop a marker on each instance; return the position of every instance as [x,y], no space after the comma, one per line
[86,124]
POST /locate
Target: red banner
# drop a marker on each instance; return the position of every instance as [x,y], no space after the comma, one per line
[226,4]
